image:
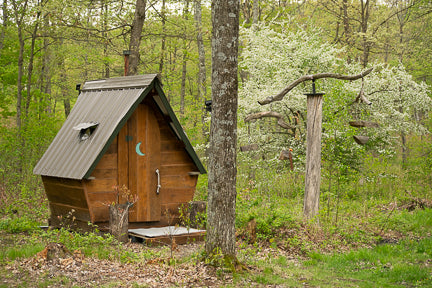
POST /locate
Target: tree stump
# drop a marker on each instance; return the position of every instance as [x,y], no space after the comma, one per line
[53,252]
[119,221]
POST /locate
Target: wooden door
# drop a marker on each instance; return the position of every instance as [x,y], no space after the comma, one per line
[139,159]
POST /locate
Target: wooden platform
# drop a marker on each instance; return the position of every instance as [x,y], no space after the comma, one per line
[166,235]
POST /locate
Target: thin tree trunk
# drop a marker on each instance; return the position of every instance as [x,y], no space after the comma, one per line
[135,39]
[104,9]
[5,24]
[45,78]
[184,63]
[45,75]
[19,79]
[19,15]
[364,29]
[63,87]
[162,52]
[255,12]
[347,28]
[223,133]
[202,85]
[31,61]
[183,84]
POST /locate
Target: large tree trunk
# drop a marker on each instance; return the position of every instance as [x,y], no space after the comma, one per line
[223,132]
[313,156]
[135,39]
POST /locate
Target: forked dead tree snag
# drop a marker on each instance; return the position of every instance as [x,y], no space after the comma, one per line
[281,94]
[314,132]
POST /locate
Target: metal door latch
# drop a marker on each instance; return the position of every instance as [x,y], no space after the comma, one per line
[159,185]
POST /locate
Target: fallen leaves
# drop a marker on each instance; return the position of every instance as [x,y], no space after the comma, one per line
[90,272]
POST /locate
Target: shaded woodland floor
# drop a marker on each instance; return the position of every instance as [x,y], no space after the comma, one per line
[268,263]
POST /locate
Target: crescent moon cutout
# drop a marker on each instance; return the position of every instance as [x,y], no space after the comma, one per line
[137,149]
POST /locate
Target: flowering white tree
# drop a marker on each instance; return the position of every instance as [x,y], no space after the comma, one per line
[273,59]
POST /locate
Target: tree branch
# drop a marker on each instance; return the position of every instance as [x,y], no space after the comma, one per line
[281,95]
[273,114]
[361,95]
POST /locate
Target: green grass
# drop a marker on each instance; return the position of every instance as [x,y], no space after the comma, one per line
[401,265]
[22,251]
[18,224]
[404,264]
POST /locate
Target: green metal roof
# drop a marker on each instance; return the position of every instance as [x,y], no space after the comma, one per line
[103,107]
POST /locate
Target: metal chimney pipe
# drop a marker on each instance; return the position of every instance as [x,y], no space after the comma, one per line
[126,54]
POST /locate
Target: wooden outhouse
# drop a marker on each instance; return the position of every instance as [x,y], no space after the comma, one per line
[121,131]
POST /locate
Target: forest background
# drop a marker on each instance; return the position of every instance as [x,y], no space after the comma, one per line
[49,46]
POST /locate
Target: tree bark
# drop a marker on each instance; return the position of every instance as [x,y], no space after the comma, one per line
[135,39]
[313,156]
[223,132]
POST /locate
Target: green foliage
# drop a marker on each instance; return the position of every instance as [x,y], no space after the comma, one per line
[17,224]
[270,216]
